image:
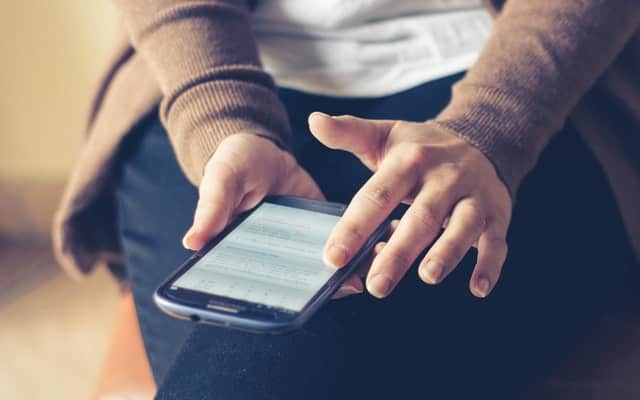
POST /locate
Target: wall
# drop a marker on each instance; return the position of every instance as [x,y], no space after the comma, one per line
[52,51]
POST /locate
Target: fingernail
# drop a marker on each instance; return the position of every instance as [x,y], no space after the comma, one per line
[186,238]
[347,291]
[320,113]
[482,287]
[336,255]
[432,271]
[379,285]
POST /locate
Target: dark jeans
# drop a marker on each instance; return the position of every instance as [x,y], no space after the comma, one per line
[568,255]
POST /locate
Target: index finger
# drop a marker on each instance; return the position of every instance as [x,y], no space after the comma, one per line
[368,209]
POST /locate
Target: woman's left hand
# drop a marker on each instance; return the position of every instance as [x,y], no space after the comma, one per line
[448,182]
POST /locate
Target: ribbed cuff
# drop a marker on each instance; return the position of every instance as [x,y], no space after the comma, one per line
[508,130]
[202,116]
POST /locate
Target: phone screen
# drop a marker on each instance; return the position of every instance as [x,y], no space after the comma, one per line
[273,257]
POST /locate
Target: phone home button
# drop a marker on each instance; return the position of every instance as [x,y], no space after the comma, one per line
[223,308]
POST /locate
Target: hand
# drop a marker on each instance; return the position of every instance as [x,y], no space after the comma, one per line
[447,181]
[243,170]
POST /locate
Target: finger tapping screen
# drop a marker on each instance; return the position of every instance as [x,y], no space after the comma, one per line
[274,257]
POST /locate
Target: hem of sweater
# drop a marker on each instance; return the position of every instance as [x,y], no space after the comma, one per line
[367,93]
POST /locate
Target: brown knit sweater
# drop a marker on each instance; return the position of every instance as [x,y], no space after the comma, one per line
[546,61]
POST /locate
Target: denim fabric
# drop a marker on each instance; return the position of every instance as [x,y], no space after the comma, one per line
[568,256]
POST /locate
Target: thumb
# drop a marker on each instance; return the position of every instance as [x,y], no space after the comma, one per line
[363,137]
[217,200]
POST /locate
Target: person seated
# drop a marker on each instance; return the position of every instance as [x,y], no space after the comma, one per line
[209,106]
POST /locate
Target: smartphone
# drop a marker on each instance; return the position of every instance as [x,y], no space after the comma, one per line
[264,273]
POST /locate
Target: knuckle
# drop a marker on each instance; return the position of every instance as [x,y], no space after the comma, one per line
[403,125]
[500,221]
[428,218]
[400,124]
[453,172]
[379,195]
[414,157]
[396,258]
[474,213]
[496,242]
[455,249]
[352,233]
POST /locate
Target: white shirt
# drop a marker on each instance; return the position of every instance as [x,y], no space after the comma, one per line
[367,48]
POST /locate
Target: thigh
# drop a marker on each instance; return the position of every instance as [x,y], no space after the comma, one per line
[155,202]
[155,205]
[568,255]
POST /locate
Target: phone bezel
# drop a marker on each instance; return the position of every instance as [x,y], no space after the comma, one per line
[248,316]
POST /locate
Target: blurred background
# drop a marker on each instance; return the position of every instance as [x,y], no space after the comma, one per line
[51,327]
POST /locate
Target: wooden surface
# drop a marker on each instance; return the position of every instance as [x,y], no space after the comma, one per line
[126,372]
[53,331]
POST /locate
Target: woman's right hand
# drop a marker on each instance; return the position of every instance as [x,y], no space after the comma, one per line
[243,170]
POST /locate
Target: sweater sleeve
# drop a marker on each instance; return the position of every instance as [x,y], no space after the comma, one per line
[204,57]
[540,59]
